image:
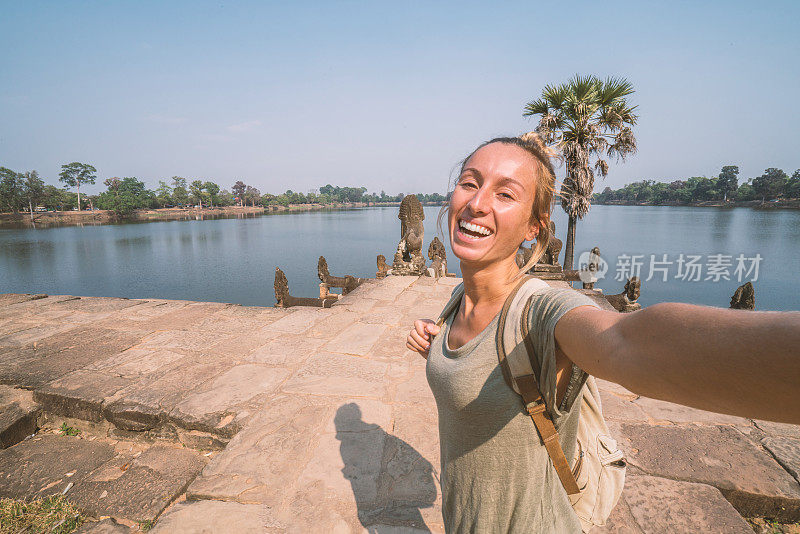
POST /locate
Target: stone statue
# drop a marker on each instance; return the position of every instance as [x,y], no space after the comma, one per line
[438,256]
[347,283]
[285,300]
[744,298]
[383,269]
[626,301]
[550,256]
[523,255]
[409,259]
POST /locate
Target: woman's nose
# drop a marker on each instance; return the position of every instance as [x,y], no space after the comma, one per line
[479,203]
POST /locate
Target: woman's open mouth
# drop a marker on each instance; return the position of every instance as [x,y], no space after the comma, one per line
[471,230]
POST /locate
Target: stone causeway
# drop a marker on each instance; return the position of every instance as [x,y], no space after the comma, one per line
[211,417]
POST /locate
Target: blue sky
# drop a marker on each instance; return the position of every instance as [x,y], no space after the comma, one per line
[388,95]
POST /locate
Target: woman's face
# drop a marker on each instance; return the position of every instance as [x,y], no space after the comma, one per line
[490,209]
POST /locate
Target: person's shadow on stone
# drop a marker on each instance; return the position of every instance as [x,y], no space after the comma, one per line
[391,481]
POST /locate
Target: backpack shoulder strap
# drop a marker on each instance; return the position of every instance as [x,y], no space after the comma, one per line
[452,304]
[518,372]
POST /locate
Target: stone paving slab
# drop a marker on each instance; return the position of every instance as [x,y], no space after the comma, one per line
[660,505]
[18,415]
[787,452]
[137,487]
[213,517]
[106,526]
[49,464]
[721,456]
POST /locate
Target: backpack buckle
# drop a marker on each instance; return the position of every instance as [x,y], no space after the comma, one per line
[533,408]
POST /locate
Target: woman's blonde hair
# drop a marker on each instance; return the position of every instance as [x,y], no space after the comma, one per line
[545,174]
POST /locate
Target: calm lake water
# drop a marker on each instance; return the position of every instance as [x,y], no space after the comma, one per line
[234,260]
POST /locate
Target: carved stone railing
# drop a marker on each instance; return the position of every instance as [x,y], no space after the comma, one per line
[285,300]
[347,283]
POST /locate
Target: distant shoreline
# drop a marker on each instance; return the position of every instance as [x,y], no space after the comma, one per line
[97,217]
[755,204]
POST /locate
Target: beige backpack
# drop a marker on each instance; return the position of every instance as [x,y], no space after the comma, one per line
[595,481]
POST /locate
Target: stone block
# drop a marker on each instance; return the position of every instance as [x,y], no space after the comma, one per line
[97,304]
[353,415]
[418,427]
[47,464]
[79,394]
[333,323]
[56,356]
[137,488]
[299,319]
[183,340]
[391,345]
[328,374]
[346,465]
[211,517]
[6,299]
[720,456]
[105,526]
[136,362]
[621,521]
[220,405]
[660,505]
[361,305]
[286,350]
[356,339]
[662,411]
[787,452]
[620,408]
[146,404]
[34,334]
[18,415]
[263,462]
[779,429]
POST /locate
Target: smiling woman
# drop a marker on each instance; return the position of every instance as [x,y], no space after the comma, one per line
[494,477]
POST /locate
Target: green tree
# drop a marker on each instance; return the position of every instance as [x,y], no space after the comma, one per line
[10,190]
[32,189]
[239,189]
[196,189]
[588,119]
[225,198]
[163,194]
[125,195]
[213,190]
[180,197]
[728,181]
[792,187]
[746,192]
[770,184]
[74,174]
[252,195]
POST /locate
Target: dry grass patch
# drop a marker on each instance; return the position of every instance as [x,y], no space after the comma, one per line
[53,515]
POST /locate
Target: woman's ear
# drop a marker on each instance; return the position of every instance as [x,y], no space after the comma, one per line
[533,231]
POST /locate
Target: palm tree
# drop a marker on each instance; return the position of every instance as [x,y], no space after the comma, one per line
[587,119]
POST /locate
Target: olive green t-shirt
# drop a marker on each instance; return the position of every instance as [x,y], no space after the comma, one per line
[496,475]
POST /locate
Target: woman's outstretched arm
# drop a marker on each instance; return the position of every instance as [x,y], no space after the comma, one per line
[738,362]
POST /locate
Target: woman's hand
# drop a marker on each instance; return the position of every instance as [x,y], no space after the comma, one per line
[419,339]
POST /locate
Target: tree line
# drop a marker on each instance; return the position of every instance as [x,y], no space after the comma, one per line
[773,184]
[26,191]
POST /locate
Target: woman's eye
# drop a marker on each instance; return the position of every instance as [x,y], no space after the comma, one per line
[507,196]
[468,184]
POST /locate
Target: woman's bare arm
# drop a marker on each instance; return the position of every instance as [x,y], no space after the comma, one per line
[736,362]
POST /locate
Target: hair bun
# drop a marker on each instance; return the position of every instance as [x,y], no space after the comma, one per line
[532,137]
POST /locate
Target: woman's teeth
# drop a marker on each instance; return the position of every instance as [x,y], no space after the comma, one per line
[474,228]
